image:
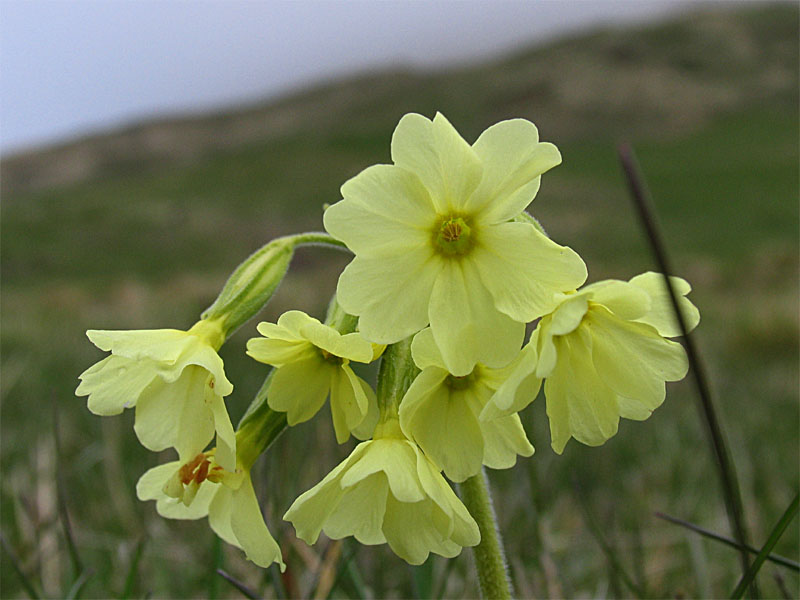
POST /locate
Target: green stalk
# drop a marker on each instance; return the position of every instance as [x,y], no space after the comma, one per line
[490,557]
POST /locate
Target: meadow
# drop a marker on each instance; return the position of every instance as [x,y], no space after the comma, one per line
[710,104]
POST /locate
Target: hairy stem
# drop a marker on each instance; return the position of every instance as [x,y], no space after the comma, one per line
[490,557]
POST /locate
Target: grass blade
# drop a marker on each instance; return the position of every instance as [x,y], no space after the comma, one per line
[130,578]
[72,547]
[245,591]
[345,568]
[773,538]
[422,579]
[775,558]
[77,587]
[611,556]
[12,557]
[726,468]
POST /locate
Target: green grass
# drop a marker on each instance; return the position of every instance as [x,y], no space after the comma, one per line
[150,247]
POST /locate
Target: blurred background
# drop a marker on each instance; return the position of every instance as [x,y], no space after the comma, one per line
[148,147]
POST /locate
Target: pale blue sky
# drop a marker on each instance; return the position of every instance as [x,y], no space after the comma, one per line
[78,66]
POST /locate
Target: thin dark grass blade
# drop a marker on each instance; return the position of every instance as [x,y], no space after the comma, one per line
[422,579]
[133,570]
[611,556]
[357,581]
[345,567]
[442,587]
[773,538]
[243,589]
[61,499]
[217,554]
[77,587]
[726,467]
[278,583]
[30,589]
[775,558]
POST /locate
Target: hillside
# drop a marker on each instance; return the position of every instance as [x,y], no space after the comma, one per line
[663,79]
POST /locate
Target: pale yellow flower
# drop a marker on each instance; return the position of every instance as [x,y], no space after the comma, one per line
[175,379]
[312,360]
[603,355]
[200,487]
[440,413]
[434,243]
[387,491]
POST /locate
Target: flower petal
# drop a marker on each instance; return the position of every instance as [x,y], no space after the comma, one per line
[385,210]
[226,438]
[633,359]
[351,346]
[397,460]
[465,323]
[165,345]
[445,427]
[513,161]
[247,524]
[439,156]
[523,269]
[309,512]
[151,484]
[172,508]
[662,314]
[348,403]
[115,383]
[518,389]
[620,297]
[579,404]
[300,388]
[425,352]
[390,295]
[411,532]
[360,510]
[276,352]
[503,440]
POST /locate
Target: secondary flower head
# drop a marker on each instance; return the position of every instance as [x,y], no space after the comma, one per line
[603,355]
[313,360]
[200,487]
[176,381]
[440,413]
[387,490]
[434,242]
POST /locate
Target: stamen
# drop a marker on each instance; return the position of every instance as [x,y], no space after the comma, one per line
[453,236]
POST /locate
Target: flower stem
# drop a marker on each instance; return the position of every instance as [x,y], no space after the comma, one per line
[490,557]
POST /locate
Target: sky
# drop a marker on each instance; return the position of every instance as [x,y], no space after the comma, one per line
[72,67]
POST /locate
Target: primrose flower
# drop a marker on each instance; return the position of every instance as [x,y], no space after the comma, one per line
[387,490]
[440,413]
[200,487]
[313,360]
[603,356]
[176,381]
[434,243]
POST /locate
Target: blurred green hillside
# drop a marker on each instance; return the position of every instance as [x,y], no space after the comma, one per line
[139,228]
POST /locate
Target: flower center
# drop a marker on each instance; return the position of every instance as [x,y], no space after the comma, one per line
[460,383]
[331,358]
[453,236]
[184,484]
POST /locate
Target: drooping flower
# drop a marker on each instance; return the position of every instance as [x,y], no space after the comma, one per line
[603,355]
[200,487]
[312,360]
[175,379]
[387,491]
[440,413]
[434,243]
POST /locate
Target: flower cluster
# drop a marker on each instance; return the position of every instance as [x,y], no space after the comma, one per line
[446,256]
